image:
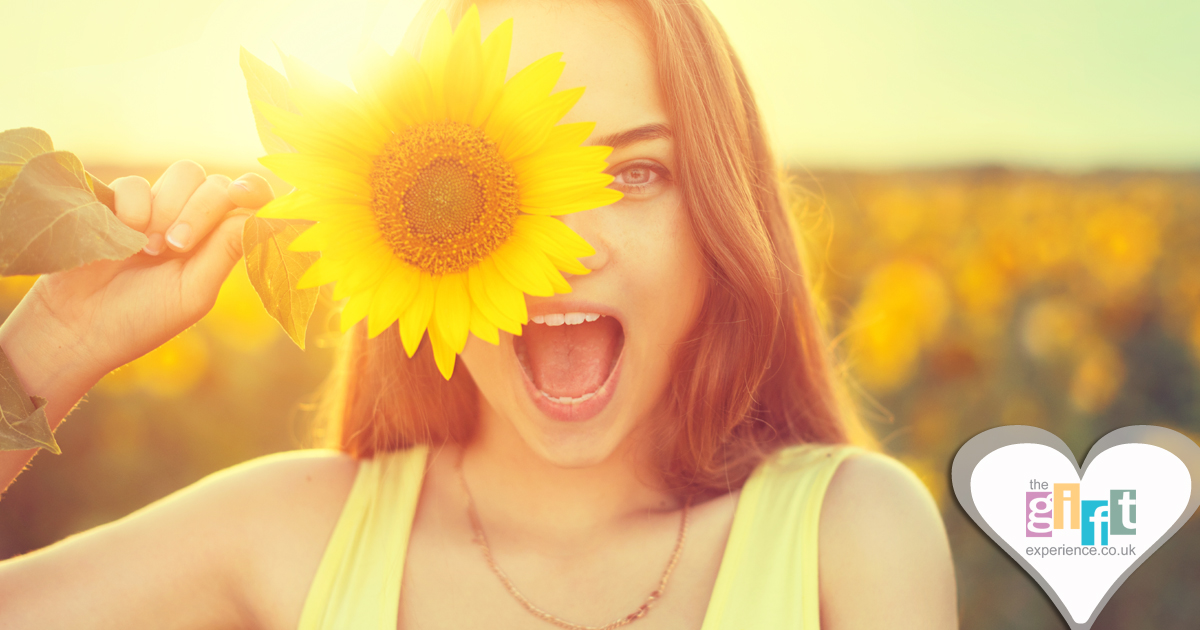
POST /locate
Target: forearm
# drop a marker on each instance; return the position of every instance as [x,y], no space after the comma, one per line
[46,365]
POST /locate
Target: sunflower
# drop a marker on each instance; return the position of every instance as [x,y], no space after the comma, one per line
[435,185]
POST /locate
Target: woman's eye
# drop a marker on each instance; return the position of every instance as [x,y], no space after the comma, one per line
[639,178]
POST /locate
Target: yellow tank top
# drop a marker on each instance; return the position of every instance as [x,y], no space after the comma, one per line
[767,577]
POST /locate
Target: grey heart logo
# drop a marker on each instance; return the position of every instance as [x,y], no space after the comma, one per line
[1079,531]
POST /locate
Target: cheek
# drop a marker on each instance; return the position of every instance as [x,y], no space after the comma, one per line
[668,271]
[488,367]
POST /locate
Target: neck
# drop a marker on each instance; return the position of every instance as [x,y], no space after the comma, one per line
[517,489]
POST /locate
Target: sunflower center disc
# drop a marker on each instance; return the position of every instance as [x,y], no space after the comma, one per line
[444,200]
[443,196]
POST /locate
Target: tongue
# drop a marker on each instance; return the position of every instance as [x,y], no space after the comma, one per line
[570,360]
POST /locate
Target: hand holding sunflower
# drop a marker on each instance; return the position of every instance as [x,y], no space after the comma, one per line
[434,187]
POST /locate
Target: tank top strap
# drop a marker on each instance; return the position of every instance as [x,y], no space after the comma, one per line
[357,584]
[768,575]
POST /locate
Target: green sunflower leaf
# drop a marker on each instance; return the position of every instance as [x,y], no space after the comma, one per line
[18,146]
[23,422]
[51,219]
[274,272]
[265,84]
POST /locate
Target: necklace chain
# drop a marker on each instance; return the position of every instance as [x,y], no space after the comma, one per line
[482,541]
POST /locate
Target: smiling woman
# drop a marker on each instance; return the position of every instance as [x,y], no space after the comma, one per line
[661,444]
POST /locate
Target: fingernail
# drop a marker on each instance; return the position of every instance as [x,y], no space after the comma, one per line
[179,235]
[154,244]
[242,184]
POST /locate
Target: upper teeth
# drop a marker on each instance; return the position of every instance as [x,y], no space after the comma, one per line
[558,319]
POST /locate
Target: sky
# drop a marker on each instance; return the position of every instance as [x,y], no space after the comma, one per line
[869,84]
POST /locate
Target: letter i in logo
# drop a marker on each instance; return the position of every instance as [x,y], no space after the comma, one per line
[1124,512]
[1038,523]
[1066,504]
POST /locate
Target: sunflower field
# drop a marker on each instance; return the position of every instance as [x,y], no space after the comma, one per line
[958,300]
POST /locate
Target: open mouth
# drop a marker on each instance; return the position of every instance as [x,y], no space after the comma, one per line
[569,359]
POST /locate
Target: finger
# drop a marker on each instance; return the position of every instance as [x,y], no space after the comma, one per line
[132,201]
[250,191]
[202,212]
[206,269]
[170,193]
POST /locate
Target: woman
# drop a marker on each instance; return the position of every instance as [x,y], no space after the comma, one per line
[667,434]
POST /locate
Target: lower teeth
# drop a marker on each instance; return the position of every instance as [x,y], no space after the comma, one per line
[567,400]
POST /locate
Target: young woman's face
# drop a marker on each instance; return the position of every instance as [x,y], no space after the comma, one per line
[574,391]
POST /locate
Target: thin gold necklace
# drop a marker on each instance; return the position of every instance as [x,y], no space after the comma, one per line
[482,541]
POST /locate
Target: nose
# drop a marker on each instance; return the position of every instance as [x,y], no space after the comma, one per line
[589,225]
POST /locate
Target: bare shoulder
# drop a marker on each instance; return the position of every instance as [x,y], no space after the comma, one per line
[884,556]
[282,483]
[238,548]
[282,509]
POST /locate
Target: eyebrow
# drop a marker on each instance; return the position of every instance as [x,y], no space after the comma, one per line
[644,133]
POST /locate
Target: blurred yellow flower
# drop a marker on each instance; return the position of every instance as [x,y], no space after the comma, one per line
[1097,378]
[13,288]
[897,212]
[903,308]
[238,317]
[1054,327]
[1120,245]
[1023,409]
[170,370]
[982,287]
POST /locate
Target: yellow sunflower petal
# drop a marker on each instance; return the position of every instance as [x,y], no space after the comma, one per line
[322,271]
[373,76]
[552,234]
[464,68]
[597,199]
[434,51]
[452,310]
[443,354]
[476,284]
[560,162]
[506,297]
[355,309]
[558,242]
[483,328]
[496,50]
[310,137]
[365,273]
[522,93]
[308,207]
[416,316]
[294,205]
[561,191]
[535,259]
[396,291]
[569,265]
[348,233]
[529,132]
[321,176]
[413,94]
[570,136]
[332,104]
[520,269]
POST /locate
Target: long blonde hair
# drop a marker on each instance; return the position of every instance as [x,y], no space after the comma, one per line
[753,375]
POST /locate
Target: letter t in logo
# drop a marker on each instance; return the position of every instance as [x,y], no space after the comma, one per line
[1123,504]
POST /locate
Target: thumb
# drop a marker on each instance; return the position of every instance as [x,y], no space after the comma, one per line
[210,264]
